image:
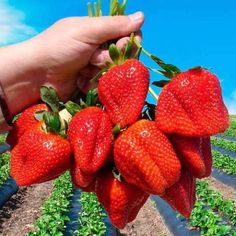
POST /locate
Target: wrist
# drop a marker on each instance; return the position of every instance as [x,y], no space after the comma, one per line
[21,75]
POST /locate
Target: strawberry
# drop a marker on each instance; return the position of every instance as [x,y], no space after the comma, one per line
[192,105]
[25,121]
[145,158]
[121,200]
[39,156]
[123,90]
[80,179]
[182,195]
[194,153]
[90,135]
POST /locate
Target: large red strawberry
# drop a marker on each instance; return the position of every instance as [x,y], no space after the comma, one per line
[194,153]
[90,135]
[25,121]
[145,158]
[121,200]
[182,195]
[192,105]
[123,90]
[80,179]
[39,156]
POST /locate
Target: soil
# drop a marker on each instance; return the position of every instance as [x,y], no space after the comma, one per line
[148,223]
[20,212]
[227,191]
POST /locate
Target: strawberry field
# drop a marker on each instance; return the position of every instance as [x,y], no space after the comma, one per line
[62,210]
[120,159]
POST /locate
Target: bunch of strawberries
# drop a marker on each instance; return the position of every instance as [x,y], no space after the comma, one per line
[118,145]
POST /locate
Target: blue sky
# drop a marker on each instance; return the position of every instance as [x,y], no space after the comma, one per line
[186,33]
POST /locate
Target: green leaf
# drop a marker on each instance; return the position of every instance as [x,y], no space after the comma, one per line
[91,97]
[72,107]
[50,97]
[115,53]
[128,50]
[161,83]
[38,115]
[52,121]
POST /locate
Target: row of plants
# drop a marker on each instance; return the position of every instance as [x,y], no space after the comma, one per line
[55,208]
[231,131]
[4,167]
[91,217]
[210,211]
[220,142]
[216,201]
[224,162]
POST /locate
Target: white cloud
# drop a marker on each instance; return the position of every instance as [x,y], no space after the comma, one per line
[12,26]
[231,103]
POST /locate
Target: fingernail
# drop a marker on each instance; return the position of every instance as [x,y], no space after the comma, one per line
[138,16]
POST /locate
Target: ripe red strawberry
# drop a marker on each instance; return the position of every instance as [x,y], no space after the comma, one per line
[182,195]
[145,158]
[90,135]
[121,200]
[80,179]
[192,105]
[25,121]
[194,153]
[39,156]
[123,90]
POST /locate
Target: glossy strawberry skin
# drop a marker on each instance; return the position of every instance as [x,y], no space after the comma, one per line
[39,157]
[182,195]
[145,158]
[192,105]
[121,200]
[194,153]
[123,90]
[90,135]
[82,180]
[24,122]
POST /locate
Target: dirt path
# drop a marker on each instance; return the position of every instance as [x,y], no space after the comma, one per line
[227,191]
[148,223]
[19,214]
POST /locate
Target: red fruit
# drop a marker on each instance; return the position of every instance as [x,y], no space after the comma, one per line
[145,158]
[90,135]
[121,200]
[192,105]
[194,153]
[80,179]
[24,122]
[123,90]
[39,156]
[182,195]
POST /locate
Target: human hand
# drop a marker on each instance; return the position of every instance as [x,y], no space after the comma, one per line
[65,53]
[70,48]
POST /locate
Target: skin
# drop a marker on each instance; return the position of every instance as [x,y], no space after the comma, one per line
[64,56]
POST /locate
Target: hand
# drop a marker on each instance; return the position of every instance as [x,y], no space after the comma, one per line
[57,57]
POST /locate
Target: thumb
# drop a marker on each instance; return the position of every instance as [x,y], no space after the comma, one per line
[97,30]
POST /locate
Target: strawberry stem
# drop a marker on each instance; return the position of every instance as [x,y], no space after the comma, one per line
[116,129]
[154,95]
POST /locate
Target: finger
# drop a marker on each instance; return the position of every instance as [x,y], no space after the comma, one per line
[100,58]
[97,30]
[121,43]
[89,71]
[84,84]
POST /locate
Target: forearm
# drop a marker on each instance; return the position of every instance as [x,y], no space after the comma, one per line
[20,76]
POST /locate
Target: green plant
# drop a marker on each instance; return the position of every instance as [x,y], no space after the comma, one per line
[54,210]
[4,167]
[215,201]
[224,162]
[219,142]
[91,216]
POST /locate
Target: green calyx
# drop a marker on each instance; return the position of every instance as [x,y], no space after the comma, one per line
[116,8]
